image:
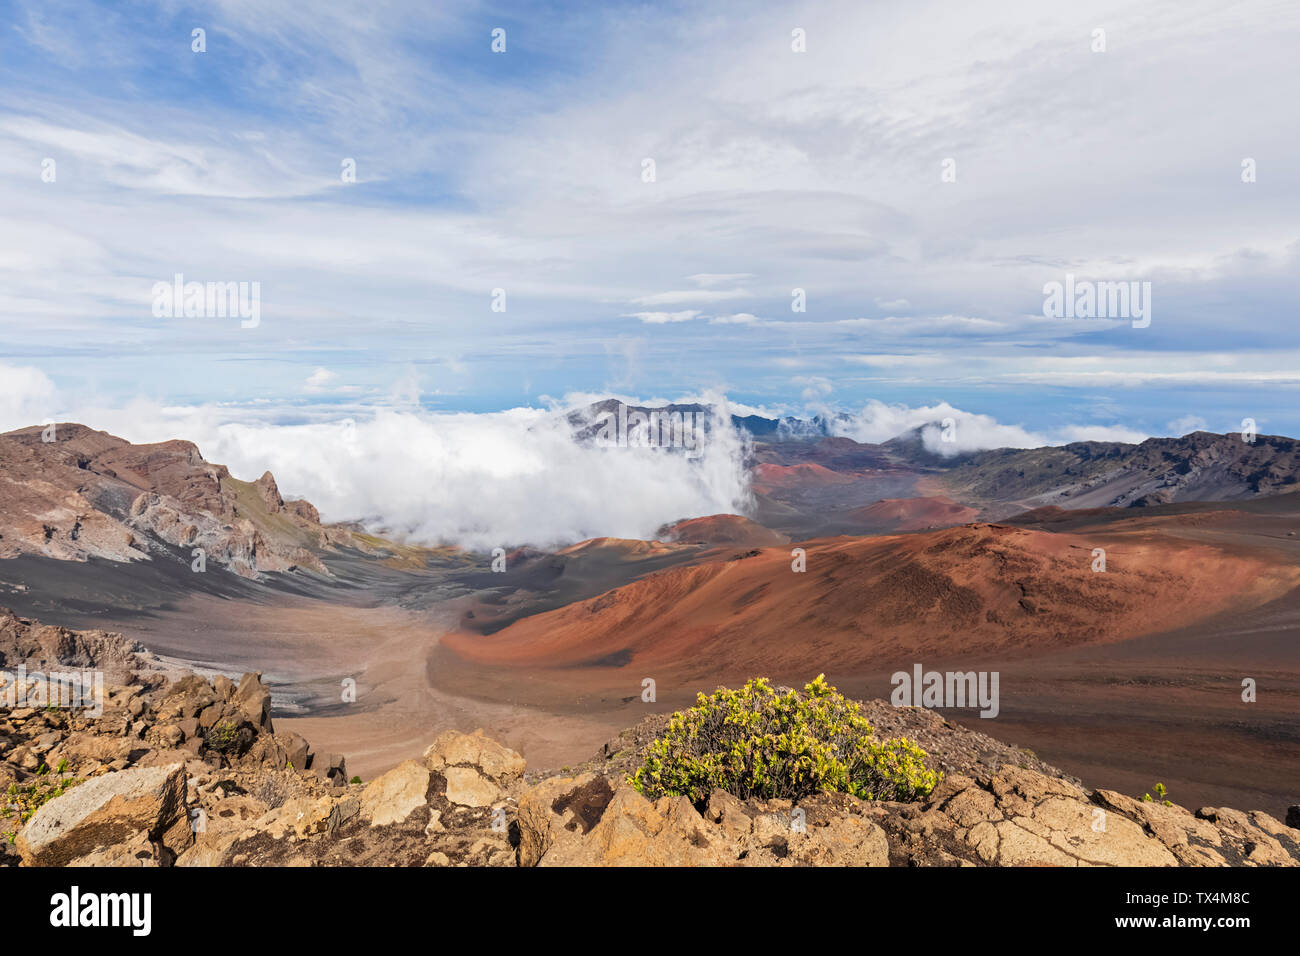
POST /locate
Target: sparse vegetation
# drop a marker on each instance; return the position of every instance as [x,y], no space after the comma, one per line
[1160,795]
[760,742]
[272,791]
[223,737]
[22,800]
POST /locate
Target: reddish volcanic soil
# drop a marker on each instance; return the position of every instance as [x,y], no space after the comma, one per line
[769,478]
[723,530]
[1125,678]
[616,550]
[912,514]
[866,602]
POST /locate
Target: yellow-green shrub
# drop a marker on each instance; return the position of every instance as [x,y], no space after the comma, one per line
[20,801]
[756,742]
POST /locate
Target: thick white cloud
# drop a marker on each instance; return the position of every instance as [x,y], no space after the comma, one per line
[964,431]
[27,396]
[487,480]
[478,480]
[500,478]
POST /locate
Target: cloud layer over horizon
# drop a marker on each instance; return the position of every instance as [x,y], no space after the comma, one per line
[496,479]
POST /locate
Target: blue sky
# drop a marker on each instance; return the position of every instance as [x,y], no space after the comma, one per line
[775,170]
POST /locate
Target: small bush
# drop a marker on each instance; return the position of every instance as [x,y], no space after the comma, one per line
[22,800]
[223,737]
[272,791]
[1160,795]
[757,742]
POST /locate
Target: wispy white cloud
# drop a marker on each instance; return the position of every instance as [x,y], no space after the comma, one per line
[692,295]
[776,171]
[320,379]
[662,318]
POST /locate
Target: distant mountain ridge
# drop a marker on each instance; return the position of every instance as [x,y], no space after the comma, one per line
[90,494]
[586,421]
[87,493]
[1200,466]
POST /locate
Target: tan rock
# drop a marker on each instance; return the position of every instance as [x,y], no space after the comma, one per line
[541,826]
[84,747]
[397,794]
[728,812]
[139,851]
[845,841]
[1020,847]
[469,788]
[106,811]
[985,839]
[971,806]
[220,826]
[635,832]
[1075,829]
[494,760]
[1038,820]
[1175,827]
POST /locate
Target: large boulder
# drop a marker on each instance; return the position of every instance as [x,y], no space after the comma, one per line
[477,768]
[397,794]
[493,760]
[548,813]
[467,787]
[1025,818]
[254,701]
[330,767]
[106,811]
[633,831]
[590,820]
[297,752]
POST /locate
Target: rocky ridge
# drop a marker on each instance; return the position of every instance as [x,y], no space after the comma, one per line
[71,493]
[1201,466]
[191,772]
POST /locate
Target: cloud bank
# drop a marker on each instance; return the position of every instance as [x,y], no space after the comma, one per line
[478,480]
[968,432]
[494,479]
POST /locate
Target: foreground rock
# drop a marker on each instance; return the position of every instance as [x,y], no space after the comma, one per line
[1018,817]
[996,806]
[191,772]
[160,771]
[397,794]
[477,769]
[107,811]
[584,821]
